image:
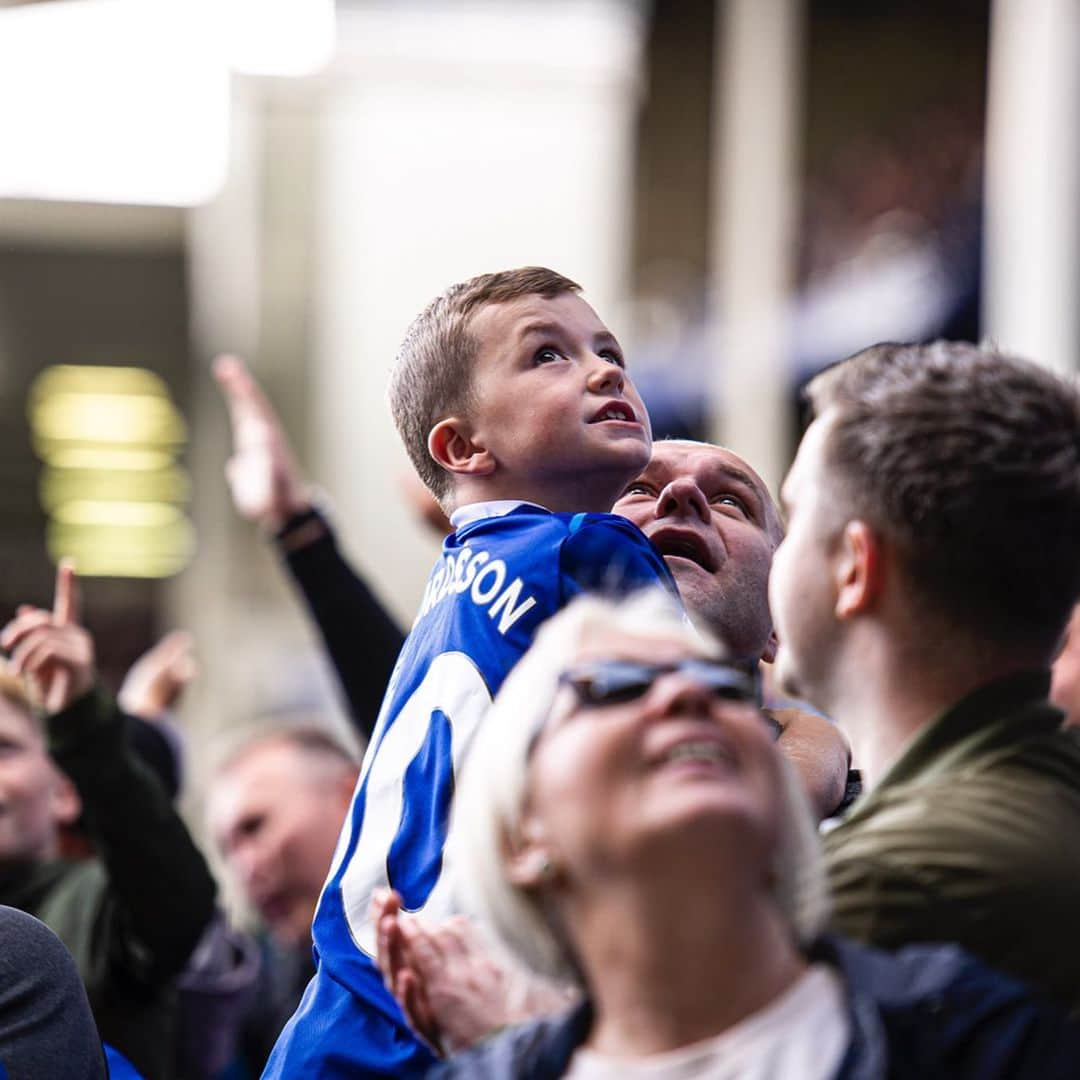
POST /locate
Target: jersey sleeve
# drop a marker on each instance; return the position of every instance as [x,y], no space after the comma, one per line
[608,555]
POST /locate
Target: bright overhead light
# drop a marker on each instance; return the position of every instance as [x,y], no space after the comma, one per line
[115,101]
[108,418]
[129,514]
[127,101]
[113,490]
[123,550]
[277,37]
[63,486]
[93,458]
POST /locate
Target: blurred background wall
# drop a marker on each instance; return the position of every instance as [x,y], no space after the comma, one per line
[747,189]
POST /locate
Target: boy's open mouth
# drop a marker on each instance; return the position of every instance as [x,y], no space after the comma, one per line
[615,410]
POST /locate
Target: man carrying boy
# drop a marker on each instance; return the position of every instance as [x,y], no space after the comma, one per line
[514,405]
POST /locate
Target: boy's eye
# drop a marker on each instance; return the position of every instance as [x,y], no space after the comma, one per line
[614,356]
[546,356]
[637,488]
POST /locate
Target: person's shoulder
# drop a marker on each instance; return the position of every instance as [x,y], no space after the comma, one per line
[533,1051]
[1022,804]
[945,1007]
[611,524]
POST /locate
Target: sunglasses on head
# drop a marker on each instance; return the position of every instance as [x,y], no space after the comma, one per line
[612,682]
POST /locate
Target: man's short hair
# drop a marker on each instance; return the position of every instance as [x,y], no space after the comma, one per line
[432,376]
[968,461]
[313,743]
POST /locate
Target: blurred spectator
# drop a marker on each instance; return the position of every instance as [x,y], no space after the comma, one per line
[46,1029]
[275,808]
[268,488]
[625,825]
[1065,687]
[132,915]
[928,572]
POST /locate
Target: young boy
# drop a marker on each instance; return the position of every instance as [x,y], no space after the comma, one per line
[516,409]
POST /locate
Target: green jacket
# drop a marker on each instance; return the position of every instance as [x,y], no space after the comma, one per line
[973,836]
[132,916]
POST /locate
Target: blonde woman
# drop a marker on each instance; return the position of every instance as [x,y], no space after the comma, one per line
[626,826]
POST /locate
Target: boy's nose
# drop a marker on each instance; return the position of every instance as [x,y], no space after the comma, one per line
[604,375]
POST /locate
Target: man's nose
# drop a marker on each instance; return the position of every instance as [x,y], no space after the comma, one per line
[248,865]
[683,498]
[604,376]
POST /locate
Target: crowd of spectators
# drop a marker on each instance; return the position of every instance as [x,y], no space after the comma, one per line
[664,781]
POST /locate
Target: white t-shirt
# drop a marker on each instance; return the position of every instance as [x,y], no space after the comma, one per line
[802,1035]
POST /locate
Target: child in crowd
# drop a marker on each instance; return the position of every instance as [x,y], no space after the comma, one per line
[515,406]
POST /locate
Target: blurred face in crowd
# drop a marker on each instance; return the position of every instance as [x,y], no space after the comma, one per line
[36,799]
[712,518]
[801,589]
[668,773]
[1065,689]
[275,814]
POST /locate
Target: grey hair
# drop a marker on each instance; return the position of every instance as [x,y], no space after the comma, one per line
[491,797]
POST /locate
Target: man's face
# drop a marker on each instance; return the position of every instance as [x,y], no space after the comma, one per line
[34,798]
[275,815]
[711,517]
[801,590]
[552,401]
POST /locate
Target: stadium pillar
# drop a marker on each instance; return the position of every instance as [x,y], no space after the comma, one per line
[754,206]
[1031,270]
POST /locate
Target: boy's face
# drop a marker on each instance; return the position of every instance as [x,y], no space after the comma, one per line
[551,399]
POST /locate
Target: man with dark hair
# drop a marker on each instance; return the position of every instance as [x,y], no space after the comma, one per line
[920,596]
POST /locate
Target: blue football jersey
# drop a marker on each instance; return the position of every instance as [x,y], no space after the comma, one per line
[498,578]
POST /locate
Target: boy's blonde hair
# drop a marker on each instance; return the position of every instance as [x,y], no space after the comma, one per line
[432,375]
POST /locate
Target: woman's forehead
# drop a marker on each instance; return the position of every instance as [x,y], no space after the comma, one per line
[603,643]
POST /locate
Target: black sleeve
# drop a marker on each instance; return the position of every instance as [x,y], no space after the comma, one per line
[46,1030]
[360,635]
[160,888]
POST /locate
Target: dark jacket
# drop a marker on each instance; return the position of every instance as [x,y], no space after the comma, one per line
[925,1013]
[973,837]
[360,635]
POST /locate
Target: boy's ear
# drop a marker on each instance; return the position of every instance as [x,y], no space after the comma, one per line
[451,444]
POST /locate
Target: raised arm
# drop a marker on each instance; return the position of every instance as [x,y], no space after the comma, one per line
[158,882]
[267,487]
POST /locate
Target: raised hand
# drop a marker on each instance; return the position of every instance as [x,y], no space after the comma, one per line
[50,648]
[159,676]
[263,476]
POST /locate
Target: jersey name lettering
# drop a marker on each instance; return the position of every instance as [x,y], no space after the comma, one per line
[483,579]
